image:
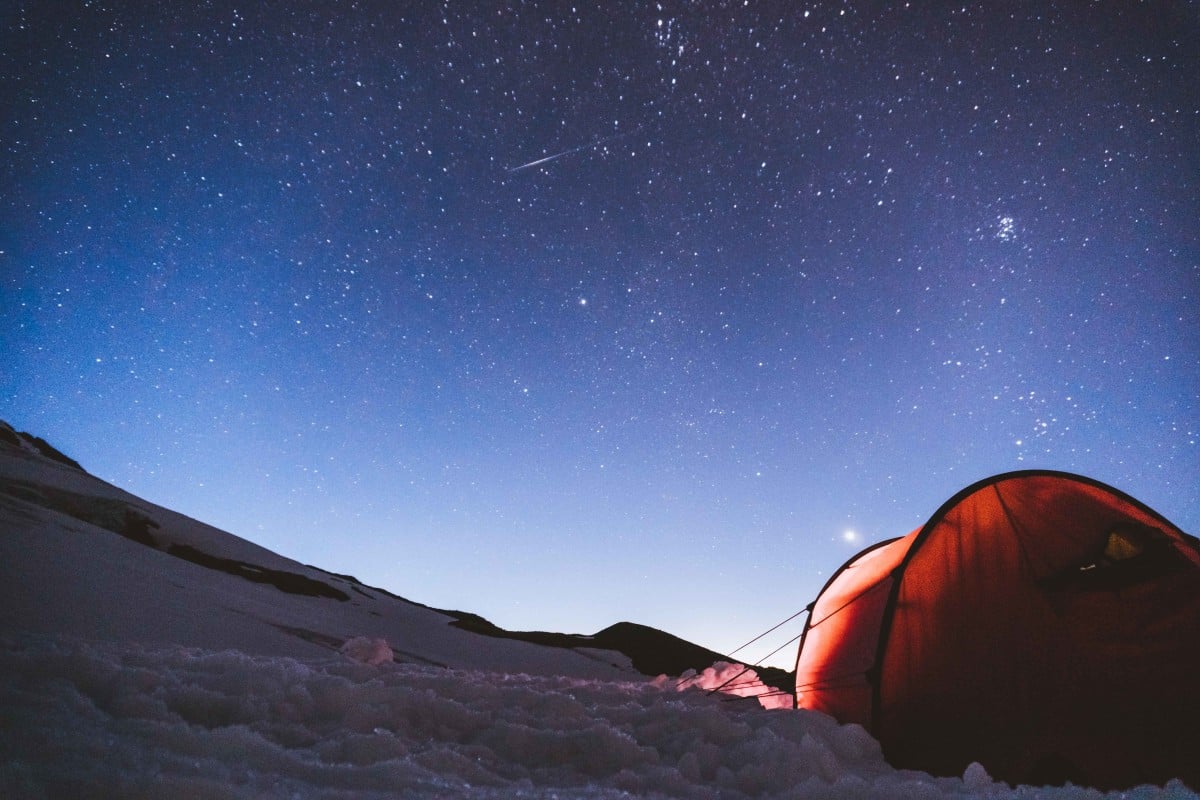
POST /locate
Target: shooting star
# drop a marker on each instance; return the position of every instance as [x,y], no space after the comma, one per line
[544,160]
[581,147]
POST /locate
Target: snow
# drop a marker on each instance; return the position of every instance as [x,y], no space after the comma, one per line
[68,574]
[368,650]
[114,720]
[735,679]
[127,671]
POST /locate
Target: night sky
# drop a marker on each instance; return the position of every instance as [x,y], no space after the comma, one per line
[566,315]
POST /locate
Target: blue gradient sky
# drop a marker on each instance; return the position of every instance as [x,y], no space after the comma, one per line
[788,271]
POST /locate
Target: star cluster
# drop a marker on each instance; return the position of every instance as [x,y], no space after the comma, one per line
[640,308]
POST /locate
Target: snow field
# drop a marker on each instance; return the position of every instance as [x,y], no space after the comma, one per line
[118,720]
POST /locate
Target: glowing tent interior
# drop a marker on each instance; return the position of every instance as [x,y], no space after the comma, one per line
[1041,623]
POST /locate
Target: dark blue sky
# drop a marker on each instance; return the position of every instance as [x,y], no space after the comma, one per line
[783,272]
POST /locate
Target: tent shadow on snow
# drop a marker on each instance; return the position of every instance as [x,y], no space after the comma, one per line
[1041,623]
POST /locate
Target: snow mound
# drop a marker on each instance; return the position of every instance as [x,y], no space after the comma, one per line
[735,679]
[368,651]
[120,720]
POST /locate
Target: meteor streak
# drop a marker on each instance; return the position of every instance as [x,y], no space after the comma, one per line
[587,146]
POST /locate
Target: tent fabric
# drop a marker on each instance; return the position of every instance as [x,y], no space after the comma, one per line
[1041,623]
[839,656]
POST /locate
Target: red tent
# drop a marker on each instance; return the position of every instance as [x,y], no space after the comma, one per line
[1041,623]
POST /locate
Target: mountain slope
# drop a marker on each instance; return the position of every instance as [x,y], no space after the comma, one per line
[79,556]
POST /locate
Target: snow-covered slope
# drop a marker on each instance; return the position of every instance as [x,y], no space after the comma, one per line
[144,654]
[81,557]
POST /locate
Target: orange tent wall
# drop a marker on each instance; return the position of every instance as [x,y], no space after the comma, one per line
[965,642]
[841,639]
